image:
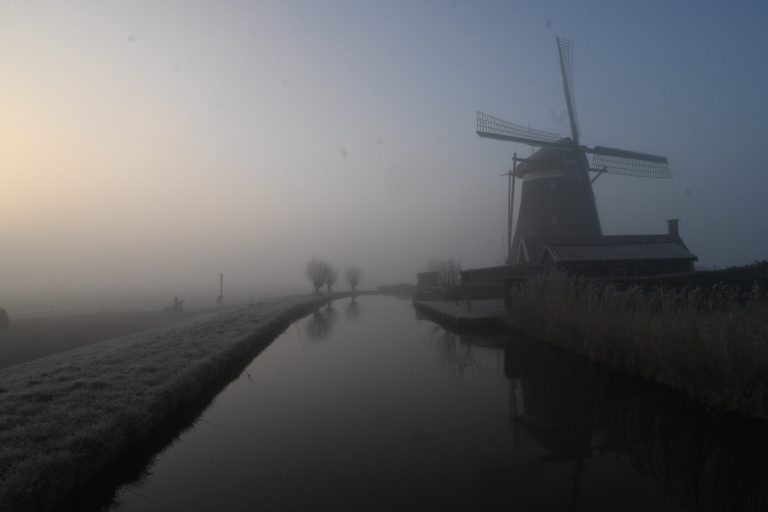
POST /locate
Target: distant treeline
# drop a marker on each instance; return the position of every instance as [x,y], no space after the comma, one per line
[397,289]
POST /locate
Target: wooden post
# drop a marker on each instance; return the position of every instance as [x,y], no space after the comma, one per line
[220,298]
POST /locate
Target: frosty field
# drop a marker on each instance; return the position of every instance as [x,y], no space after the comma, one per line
[69,417]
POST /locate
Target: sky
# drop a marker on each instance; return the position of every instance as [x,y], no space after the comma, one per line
[147,146]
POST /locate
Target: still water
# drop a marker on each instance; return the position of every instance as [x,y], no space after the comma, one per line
[363,406]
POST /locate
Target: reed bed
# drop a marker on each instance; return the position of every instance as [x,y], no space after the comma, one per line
[712,344]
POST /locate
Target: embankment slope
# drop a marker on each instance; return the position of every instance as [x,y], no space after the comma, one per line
[67,418]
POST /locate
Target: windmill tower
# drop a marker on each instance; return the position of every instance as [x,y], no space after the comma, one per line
[556,197]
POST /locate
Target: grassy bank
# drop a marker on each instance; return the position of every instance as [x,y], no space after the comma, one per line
[713,346]
[68,418]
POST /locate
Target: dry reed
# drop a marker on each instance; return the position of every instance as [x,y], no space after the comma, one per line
[711,344]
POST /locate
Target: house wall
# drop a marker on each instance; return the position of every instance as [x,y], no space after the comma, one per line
[628,268]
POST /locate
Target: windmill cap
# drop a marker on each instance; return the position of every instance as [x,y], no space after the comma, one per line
[548,159]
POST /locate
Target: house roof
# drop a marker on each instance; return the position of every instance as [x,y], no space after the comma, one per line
[517,270]
[623,247]
[617,250]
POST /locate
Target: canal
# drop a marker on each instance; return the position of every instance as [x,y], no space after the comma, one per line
[362,405]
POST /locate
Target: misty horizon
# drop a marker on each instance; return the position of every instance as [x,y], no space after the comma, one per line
[147,148]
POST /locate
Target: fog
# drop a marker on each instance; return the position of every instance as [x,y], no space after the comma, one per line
[145,147]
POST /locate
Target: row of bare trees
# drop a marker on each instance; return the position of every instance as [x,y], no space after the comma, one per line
[322,273]
[448,272]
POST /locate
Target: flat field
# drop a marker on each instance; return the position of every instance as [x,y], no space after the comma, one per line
[69,417]
[34,337]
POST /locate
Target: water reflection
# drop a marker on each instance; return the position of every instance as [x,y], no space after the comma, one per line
[580,414]
[551,400]
[320,324]
[352,309]
[454,351]
[400,413]
[577,411]
[551,396]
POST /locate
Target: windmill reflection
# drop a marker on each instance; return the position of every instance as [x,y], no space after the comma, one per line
[320,324]
[576,411]
[550,398]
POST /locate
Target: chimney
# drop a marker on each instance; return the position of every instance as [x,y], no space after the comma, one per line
[672,228]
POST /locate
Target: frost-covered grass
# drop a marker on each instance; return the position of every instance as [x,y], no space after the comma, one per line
[711,344]
[66,418]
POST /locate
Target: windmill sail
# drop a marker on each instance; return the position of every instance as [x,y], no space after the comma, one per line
[565,49]
[628,163]
[495,128]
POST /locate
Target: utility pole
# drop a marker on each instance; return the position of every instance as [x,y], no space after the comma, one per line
[508,174]
[510,203]
[220,298]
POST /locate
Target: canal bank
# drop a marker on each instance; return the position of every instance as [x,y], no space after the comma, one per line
[463,315]
[72,418]
[363,405]
[711,344]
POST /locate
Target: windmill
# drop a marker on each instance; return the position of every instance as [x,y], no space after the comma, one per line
[556,198]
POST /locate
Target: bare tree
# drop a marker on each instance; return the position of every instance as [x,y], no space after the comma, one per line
[448,272]
[352,275]
[315,272]
[330,275]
